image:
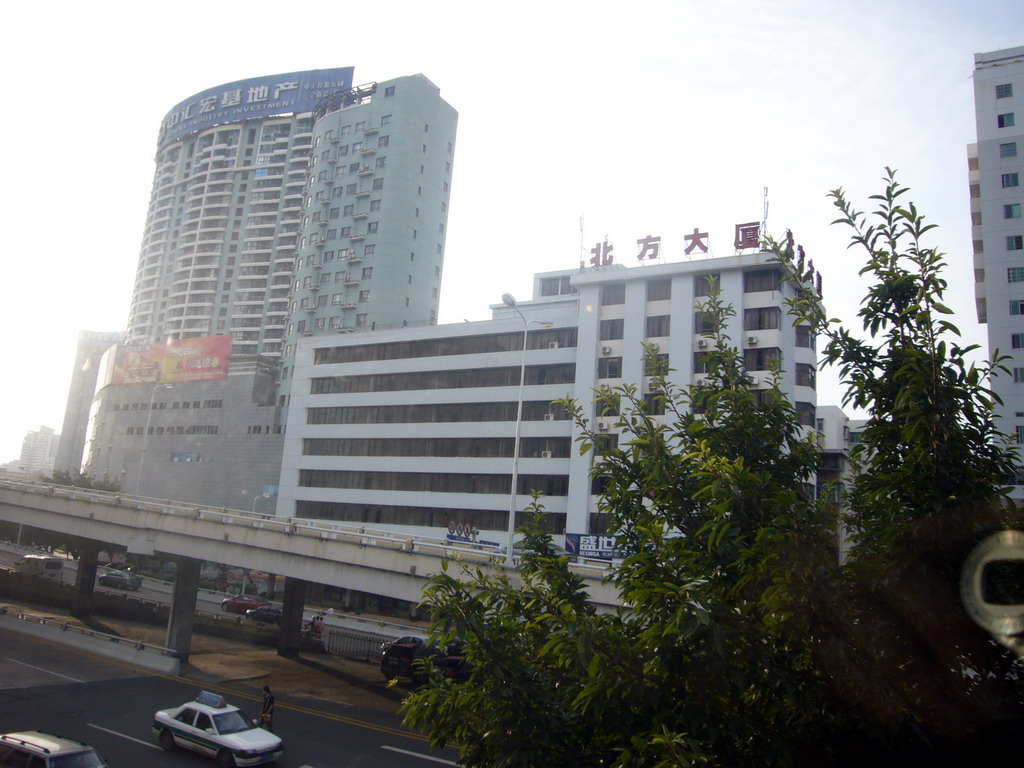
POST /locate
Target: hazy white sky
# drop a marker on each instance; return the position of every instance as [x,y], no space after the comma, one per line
[646,118]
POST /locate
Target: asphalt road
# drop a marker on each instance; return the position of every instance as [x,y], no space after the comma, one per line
[110,706]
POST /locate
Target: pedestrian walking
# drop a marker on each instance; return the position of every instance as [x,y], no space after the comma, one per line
[267,714]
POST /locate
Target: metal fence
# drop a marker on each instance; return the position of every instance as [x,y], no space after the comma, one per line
[353,644]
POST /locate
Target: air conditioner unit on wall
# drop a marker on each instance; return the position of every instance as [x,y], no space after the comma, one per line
[549,417]
[545,454]
[702,343]
[606,350]
[752,341]
[602,426]
[552,345]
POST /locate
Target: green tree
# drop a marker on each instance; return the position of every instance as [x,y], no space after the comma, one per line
[722,538]
[78,480]
[742,640]
[929,487]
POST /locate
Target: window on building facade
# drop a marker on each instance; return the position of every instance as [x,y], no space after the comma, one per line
[758,280]
[759,359]
[1017,341]
[611,329]
[761,318]
[656,366]
[659,290]
[1015,275]
[1016,307]
[1009,149]
[364,296]
[1014,242]
[1011,211]
[658,325]
[555,286]
[1018,375]
[805,375]
[804,337]
[702,284]
[1004,90]
[703,323]
[609,368]
[613,294]
[1005,120]
[700,362]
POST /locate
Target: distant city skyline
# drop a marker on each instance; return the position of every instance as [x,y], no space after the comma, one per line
[651,120]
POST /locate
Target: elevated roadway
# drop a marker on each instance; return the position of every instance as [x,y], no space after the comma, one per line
[304,552]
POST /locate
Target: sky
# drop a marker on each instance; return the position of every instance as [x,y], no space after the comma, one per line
[636,119]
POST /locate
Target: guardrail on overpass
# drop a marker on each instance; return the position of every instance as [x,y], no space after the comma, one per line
[378,562]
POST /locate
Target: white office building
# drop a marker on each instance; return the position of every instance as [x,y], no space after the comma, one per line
[413,429]
[996,167]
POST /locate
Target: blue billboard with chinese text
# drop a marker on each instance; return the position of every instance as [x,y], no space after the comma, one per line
[256,97]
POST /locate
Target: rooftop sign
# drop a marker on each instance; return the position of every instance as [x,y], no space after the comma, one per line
[288,93]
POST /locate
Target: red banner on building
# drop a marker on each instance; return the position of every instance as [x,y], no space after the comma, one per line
[170,362]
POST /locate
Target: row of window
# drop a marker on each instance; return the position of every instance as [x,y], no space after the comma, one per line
[464,379]
[656,327]
[433,482]
[436,413]
[182,405]
[462,345]
[456,447]
[434,517]
[754,281]
[195,429]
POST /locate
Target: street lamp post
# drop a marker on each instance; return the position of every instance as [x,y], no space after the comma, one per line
[510,301]
[255,499]
[145,435]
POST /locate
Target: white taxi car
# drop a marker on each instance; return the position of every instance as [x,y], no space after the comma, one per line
[211,726]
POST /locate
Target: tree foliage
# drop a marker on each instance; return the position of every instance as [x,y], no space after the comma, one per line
[741,639]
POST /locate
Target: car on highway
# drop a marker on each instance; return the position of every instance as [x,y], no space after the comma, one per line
[42,565]
[47,750]
[211,726]
[267,614]
[398,659]
[120,579]
[242,603]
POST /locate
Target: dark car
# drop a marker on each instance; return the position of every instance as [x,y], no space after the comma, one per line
[242,603]
[120,579]
[267,614]
[398,659]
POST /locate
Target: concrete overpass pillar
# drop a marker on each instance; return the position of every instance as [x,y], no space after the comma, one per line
[183,607]
[85,581]
[290,636]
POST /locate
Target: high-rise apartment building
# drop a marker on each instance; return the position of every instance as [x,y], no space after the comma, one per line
[257,176]
[38,450]
[282,207]
[996,167]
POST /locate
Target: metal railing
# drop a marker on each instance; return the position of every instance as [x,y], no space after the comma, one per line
[66,626]
[361,535]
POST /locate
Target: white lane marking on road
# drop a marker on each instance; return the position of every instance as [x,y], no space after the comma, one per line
[420,755]
[123,736]
[47,671]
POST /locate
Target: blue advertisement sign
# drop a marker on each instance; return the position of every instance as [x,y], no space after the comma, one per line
[592,546]
[256,97]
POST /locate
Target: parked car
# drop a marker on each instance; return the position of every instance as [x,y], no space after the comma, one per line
[47,750]
[211,726]
[398,659]
[242,603]
[120,580]
[268,614]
